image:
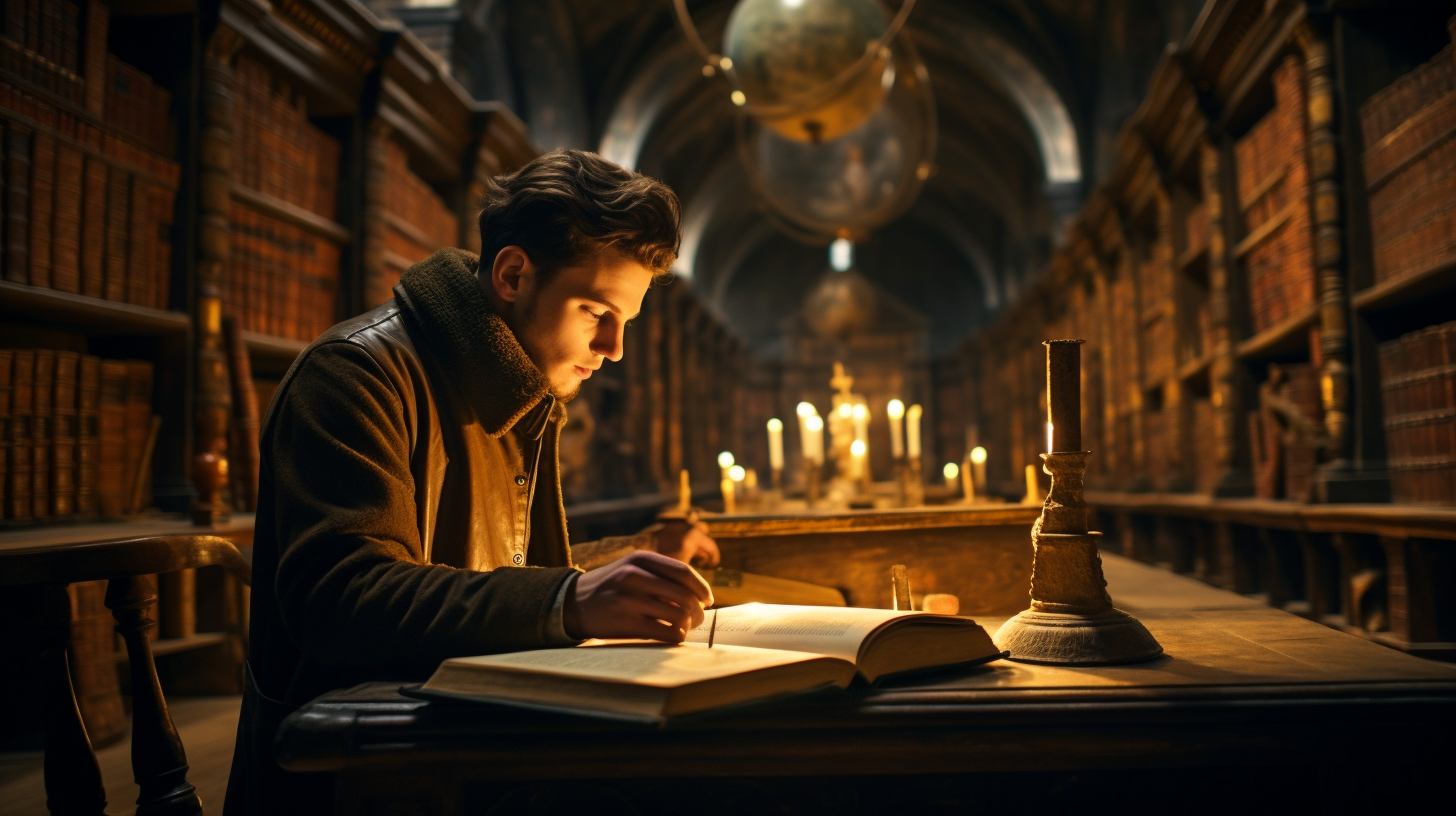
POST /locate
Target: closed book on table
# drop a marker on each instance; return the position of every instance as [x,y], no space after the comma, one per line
[88,439]
[63,435]
[66,237]
[93,227]
[40,433]
[111,485]
[17,203]
[42,204]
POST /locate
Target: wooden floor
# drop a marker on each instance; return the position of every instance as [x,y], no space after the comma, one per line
[208,726]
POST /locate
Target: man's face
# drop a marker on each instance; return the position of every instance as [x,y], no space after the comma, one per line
[576,322]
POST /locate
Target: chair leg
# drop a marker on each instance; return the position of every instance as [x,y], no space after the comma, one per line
[157,759]
[72,776]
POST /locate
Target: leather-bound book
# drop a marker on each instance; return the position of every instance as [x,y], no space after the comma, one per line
[88,430]
[112,490]
[118,192]
[66,237]
[138,425]
[140,244]
[7,365]
[64,435]
[22,397]
[17,203]
[42,207]
[40,432]
[93,227]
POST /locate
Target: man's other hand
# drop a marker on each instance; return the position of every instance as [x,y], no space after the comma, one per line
[688,543]
[641,595]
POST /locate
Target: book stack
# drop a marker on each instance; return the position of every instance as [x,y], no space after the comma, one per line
[1273,192]
[78,435]
[1418,384]
[1410,169]
[40,42]
[418,220]
[283,279]
[86,211]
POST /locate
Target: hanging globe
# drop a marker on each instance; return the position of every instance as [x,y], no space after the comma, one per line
[802,64]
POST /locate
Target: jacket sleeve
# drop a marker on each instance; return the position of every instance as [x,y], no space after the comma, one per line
[353,586]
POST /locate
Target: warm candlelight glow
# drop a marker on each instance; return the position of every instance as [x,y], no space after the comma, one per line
[725,460]
[684,492]
[775,444]
[845,409]
[737,473]
[978,455]
[896,409]
[857,448]
[860,412]
[912,432]
[814,439]
[729,495]
[806,410]
[1033,491]
[775,426]
[952,472]
[1050,438]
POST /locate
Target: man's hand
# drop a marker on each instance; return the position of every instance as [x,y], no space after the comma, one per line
[688,543]
[641,595]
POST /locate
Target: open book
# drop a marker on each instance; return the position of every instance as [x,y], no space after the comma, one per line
[759,651]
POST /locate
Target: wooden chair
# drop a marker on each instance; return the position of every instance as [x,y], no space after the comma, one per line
[72,775]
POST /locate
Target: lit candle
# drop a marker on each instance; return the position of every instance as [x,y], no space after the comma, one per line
[1064,394]
[775,444]
[978,463]
[725,461]
[814,440]
[912,432]
[862,424]
[968,485]
[684,492]
[896,410]
[805,410]
[1033,493]
[952,472]
[750,481]
[728,498]
[737,473]
[857,450]
[1051,440]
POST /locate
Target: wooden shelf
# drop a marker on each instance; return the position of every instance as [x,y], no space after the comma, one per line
[292,213]
[276,352]
[1392,294]
[1397,520]
[1286,337]
[88,315]
[1194,368]
[1192,255]
[201,640]
[238,529]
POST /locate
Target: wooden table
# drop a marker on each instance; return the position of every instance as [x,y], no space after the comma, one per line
[1249,702]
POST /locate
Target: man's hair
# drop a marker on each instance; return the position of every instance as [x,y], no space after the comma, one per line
[568,205]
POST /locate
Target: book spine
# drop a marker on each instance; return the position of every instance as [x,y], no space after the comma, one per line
[7,366]
[40,432]
[140,234]
[138,424]
[117,193]
[93,228]
[66,266]
[111,487]
[163,201]
[17,203]
[42,206]
[88,434]
[63,436]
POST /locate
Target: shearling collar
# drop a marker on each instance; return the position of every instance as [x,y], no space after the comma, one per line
[443,304]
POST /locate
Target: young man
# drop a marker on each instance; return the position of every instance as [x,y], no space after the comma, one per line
[410,506]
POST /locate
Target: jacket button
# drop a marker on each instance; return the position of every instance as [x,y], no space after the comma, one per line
[517,559]
[521,480]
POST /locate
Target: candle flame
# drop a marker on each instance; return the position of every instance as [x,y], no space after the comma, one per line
[806,410]
[737,473]
[725,460]
[860,412]
[814,423]
[857,448]
[774,425]
[951,470]
[978,455]
[895,409]
[1049,438]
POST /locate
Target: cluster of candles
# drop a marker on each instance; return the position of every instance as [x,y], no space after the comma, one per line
[904,434]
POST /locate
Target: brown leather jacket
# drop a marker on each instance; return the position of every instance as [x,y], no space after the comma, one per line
[409,510]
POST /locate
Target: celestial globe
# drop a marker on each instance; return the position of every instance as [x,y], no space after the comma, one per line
[791,59]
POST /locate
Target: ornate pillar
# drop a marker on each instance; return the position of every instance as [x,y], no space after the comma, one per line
[1233,480]
[213,398]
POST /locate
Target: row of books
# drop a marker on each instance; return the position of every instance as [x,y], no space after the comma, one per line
[78,432]
[283,280]
[427,223]
[1418,386]
[84,211]
[1273,183]
[41,43]
[1410,167]
[278,151]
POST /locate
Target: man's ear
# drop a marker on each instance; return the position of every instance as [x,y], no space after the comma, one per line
[511,273]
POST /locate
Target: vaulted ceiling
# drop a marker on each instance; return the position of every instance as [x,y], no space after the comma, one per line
[1029,95]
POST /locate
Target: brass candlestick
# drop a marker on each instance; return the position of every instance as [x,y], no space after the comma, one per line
[1071,620]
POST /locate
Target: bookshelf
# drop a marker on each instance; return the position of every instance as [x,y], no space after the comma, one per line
[1266,280]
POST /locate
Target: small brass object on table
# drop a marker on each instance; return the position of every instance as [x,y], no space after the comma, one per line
[1071,620]
[900,588]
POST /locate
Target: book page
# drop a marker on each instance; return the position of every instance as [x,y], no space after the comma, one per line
[647,663]
[834,631]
